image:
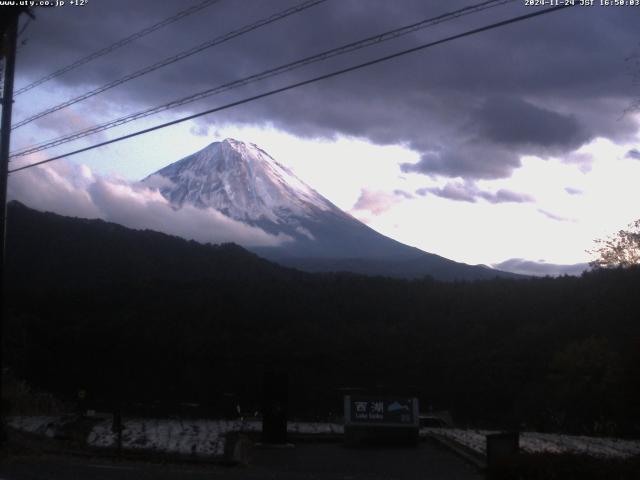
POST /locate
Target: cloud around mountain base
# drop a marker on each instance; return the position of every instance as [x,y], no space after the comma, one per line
[74,190]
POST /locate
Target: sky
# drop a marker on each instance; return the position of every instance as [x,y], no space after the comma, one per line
[515,147]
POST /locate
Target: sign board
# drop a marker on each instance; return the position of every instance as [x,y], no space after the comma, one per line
[380,411]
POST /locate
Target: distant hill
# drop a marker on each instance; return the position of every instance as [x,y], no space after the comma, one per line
[59,251]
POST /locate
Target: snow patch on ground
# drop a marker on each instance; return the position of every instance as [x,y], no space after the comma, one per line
[187,437]
[190,437]
[41,425]
[315,428]
[532,442]
[207,437]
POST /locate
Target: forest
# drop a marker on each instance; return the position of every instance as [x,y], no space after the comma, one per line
[150,322]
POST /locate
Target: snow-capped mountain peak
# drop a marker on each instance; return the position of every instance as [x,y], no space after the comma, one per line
[245,183]
[242,181]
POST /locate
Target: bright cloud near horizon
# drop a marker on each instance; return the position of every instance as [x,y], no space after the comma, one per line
[511,147]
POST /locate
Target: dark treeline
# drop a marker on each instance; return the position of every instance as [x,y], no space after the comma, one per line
[138,316]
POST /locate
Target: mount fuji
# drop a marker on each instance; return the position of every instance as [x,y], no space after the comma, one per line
[245,183]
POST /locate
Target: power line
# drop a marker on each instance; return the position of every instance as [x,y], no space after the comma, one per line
[302,83]
[350,47]
[180,56]
[24,28]
[120,43]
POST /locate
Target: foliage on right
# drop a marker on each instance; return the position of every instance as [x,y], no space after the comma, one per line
[619,250]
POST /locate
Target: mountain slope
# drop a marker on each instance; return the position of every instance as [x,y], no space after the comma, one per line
[247,184]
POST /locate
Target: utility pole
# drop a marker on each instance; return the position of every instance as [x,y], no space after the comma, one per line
[8,41]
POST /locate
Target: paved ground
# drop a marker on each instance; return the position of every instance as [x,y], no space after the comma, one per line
[305,462]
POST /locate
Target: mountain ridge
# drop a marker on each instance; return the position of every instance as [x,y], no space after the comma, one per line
[244,182]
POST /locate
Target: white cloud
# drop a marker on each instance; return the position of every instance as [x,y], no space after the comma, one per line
[62,189]
[157,182]
[378,202]
[74,190]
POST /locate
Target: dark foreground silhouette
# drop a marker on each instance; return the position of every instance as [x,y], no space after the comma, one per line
[151,323]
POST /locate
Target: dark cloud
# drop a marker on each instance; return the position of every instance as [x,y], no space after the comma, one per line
[455,191]
[470,108]
[553,216]
[467,159]
[573,191]
[506,196]
[402,193]
[540,269]
[497,133]
[633,153]
[516,123]
[469,192]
